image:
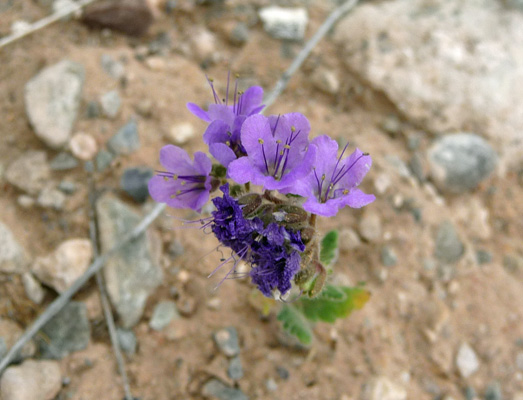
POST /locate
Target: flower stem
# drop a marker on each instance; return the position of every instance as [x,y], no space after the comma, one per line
[312,220]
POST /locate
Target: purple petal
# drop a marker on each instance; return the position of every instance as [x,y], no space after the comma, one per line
[221,112]
[250,100]
[202,163]
[216,132]
[300,171]
[222,153]
[358,165]
[198,111]
[176,160]
[357,199]
[242,171]
[257,129]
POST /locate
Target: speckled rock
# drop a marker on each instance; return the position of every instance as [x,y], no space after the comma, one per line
[32,380]
[12,255]
[29,172]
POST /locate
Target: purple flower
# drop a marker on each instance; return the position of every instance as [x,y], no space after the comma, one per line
[223,133]
[278,151]
[332,183]
[186,183]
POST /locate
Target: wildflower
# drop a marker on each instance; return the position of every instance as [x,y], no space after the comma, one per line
[186,183]
[225,121]
[278,151]
[332,183]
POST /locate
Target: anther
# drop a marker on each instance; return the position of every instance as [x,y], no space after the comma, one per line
[293,128]
[287,146]
[278,141]
[346,191]
[166,179]
[260,141]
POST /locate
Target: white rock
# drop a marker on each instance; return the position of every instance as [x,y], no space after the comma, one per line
[284,23]
[10,332]
[66,264]
[32,380]
[203,43]
[349,239]
[29,172]
[466,360]
[382,388]
[12,255]
[20,27]
[382,183]
[111,103]
[369,226]
[33,289]
[326,80]
[181,133]
[51,197]
[83,146]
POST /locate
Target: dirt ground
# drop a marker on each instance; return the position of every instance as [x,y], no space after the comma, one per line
[418,315]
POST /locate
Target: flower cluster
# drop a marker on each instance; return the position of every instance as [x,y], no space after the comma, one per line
[272,228]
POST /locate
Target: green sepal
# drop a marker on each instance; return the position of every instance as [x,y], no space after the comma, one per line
[294,322]
[329,248]
[218,171]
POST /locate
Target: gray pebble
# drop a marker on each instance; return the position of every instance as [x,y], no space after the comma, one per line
[459,162]
[217,389]
[67,187]
[449,247]
[175,248]
[134,182]
[227,341]
[483,257]
[63,161]
[239,34]
[126,140]
[271,385]
[114,68]
[163,314]
[127,341]
[12,255]
[103,160]
[93,110]
[388,256]
[51,197]
[111,103]
[493,392]
[235,369]
[283,372]
[470,393]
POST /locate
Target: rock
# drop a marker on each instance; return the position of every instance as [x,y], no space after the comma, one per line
[65,265]
[203,43]
[419,56]
[163,314]
[10,332]
[51,197]
[20,27]
[127,341]
[25,201]
[67,187]
[3,348]
[216,389]
[459,162]
[52,99]
[235,369]
[227,341]
[145,108]
[449,247]
[126,140]
[133,273]
[483,257]
[284,23]
[388,256]
[12,255]
[466,360]
[271,385]
[132,17]
[134,182]
[33,289]
[239,34]
[326,80]
[32,380]
[103,160]
[513,263]
[63,6]
[493,392]
[370,226]
[114,68]
[181,133]
[93,110]
[63,161]
[83,146]
[29,172]
[349,239]
[111,103]
[382,388]
[66,332]
[187,306]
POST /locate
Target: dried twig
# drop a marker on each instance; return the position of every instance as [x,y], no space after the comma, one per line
[99,261]
[313,41]
[66,11]
[104,298]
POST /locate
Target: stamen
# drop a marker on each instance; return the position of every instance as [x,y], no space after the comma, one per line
[227,93]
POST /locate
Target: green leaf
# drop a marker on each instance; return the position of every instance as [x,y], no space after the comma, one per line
[329,305]
[329,248]
[295,323]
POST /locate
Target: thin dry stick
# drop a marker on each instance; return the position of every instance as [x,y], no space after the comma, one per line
[313,41]
[108,313]
[64,12]
[99,262]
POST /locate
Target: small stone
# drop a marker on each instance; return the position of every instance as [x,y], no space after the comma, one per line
[12,255]
[10,332]
[493,392]
[203,43]
[388,256]
[32,380]
[161,44]
[103,160]
[63,6]
[67,332]
[227,341]
[67,187]
[52,99]
[326,81]
[382,183]
[181,133]
[271,385]
[370,226]
[63,161]
[513,263]
[145,108]
[29,172]
[449,247]
[239,34]
[163,314]
[20,27]
[187,306]
[416,165]
[461,161]
[382,388]
[349,239]
[284,23]
[93,109]
[25,201]
[51,197]
[114,68]
[470,393]
[126,140]
[466,360]
[483,257]
[283,372]
[175,248]
[214,304]
[391,125]
[127,341]
[111,103]
[218,390]
[235,369]
[65,265]
[33,289]
[134,182]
